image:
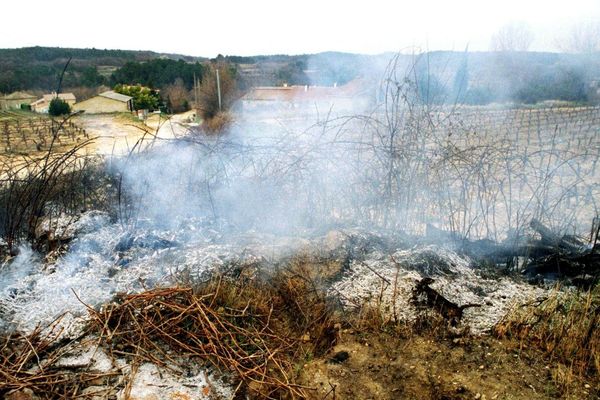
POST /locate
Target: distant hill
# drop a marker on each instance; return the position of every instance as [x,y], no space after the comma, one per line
[39,67]
[441,76]
[522,77]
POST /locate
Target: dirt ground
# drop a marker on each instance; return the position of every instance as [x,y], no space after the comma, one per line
[111,134]
[117,134]
[385,366]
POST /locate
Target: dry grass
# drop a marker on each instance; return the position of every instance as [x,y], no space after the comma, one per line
[254,330]
[566,326]
[218,123]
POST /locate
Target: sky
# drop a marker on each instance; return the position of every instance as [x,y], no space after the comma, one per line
[237,27]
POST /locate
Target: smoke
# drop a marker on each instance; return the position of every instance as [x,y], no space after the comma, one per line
[17,268]
[383,156]
[391,149]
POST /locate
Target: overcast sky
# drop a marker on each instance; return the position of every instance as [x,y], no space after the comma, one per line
[203,28]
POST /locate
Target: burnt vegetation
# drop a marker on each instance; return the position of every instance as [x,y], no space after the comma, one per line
[511,189]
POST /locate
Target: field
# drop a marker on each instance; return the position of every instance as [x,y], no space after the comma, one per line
[474,172]
[26,134]
[518,164]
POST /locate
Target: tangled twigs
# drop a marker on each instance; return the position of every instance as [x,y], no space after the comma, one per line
[565,325]
[253,332]
[30,362]
[240,330]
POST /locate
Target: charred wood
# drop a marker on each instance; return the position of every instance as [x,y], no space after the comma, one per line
[549,255]
[423,294]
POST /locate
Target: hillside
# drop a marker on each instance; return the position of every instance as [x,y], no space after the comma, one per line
[38,67]
[442,76]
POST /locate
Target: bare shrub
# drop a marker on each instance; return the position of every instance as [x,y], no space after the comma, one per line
[215,96]
[49,184]
[255,328]
[176,96]
[218,123]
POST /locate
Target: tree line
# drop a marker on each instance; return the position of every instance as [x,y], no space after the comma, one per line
[443,77]
[38,68]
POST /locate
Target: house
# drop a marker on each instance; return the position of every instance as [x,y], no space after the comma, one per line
[306,98]
[106,102]
[15,99]
[41,105]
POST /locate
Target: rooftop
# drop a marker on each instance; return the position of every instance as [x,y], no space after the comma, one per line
[304,93]
[62,96]
[115,96]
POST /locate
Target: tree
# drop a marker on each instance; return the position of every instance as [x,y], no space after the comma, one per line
[91,78]
[58,107]
[209,106]
[176,97]
[144,98]
[514,36]
[583,37]
[158,73]
[567,84]
[461,79]
[293,74]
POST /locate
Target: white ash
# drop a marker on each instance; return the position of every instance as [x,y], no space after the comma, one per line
[105,259]
[151,382]
[66,226]
[92,358]
[389,280]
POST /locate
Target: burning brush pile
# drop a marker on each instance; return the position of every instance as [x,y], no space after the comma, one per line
[262,263]
[241,319]
[250,332]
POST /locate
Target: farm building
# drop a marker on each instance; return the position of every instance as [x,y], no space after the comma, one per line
[106,102]
[306,98]
[14,100]
[41,105]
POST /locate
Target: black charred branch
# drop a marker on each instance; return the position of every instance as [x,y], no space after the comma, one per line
[551,255]
[423,295]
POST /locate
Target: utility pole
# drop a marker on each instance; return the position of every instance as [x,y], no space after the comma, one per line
[195,92]
[219,89]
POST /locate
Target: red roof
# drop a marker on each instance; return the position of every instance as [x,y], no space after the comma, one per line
[303,93]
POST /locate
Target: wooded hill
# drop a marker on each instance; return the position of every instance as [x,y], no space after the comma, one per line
[33,68]
[442,76]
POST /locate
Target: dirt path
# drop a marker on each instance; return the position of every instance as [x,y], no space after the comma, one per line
[117,134]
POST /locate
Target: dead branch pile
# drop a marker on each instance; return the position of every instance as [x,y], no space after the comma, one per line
[248,331]
[570,258]
[253,332]
[30,362]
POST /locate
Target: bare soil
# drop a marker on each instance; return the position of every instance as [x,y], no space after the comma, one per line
[387,366]
[117,134]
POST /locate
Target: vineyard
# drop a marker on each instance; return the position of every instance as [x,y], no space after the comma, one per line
[576,127]
[502,168]
[27,134]
[473,172]
[42,160]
